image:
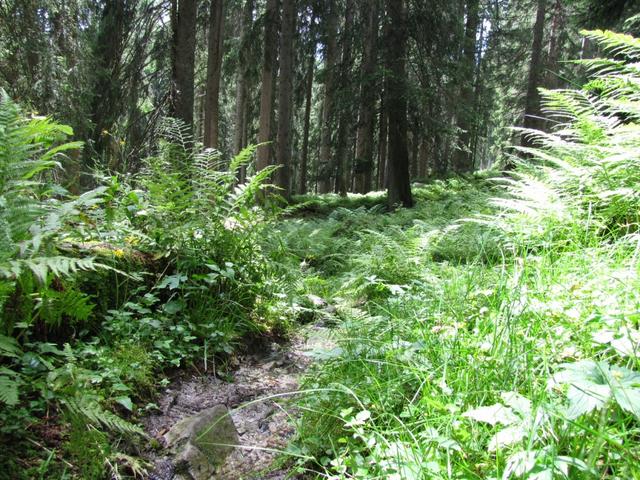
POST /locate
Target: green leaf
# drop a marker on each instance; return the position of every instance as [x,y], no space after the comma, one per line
[125,402]
[492,415]
[584,397]
[506,437]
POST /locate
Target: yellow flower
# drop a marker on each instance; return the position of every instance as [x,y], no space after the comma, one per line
[118,252]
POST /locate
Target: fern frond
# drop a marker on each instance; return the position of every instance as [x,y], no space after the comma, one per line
[9,390]
[95,414]
[616,43]
[41,266]
[9,347]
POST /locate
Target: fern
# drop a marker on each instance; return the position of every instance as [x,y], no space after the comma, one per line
[42,266]
[94,413]
[586,175]
[9,389]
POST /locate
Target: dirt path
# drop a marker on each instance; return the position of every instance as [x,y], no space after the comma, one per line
[260,421]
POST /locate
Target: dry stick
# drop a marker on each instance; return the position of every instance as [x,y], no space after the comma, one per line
[53,452]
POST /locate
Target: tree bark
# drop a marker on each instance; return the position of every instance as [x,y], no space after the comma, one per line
[553,54]
[285,93]
[399,191]
[344,120]
[108,89]
[183,23]
[214,68]
[463,157]
[240,127]
[325,161]
[267,86]
[423,158]
[304,160]
[532,107]
[383,136]
[366,109]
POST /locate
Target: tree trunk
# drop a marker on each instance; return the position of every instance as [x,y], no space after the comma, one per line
[267,86]
[383,136]
[214,68]
[183,23]
[415,142]
[325,161]
[553,55]
[399,191]
[285,93]
[108,89]
[423,158]
[304,160]
[366,110]
[345,110]
[463,157]
[532,107]
[240,127]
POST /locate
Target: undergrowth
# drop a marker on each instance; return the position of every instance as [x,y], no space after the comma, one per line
[491,331]
[103,294]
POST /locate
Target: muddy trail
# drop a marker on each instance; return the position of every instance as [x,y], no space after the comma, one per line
[249,417]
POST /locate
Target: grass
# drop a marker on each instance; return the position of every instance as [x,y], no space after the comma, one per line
[437,324]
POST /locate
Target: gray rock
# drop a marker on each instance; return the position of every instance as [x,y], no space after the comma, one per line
[201,442]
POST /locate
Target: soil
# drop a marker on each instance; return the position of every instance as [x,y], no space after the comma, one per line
[259,397]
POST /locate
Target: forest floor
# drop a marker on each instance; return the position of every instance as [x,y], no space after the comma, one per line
[257,393]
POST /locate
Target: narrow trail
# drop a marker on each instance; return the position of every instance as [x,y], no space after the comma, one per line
[263,424]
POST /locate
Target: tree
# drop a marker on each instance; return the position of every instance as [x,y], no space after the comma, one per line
[463,158]
[399,190]
[183,25]
[532,102]
[267,85]
[242,74]
[366,110]
[383,137]
[214,68]
[342,169]
[285,93]
[107,90]
[330,59]
[308,93]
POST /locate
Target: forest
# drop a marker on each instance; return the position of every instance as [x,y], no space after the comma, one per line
[320,239]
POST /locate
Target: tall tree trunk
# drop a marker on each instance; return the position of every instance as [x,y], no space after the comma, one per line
[108,89]
[304,160]
[267,86]
[366,109]
[532,106]
[423,158]
[285,93]
[415,142]
[383,136]
[214,68]
[242,86]
[399,191]
[325,161]
[463,158]
[553,54]
[183,23]
[345,111]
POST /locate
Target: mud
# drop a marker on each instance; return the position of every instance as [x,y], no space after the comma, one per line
[257,395]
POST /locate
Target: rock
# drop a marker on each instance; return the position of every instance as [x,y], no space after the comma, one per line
[195,442]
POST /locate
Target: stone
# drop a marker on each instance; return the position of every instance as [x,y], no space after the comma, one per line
[201,442]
